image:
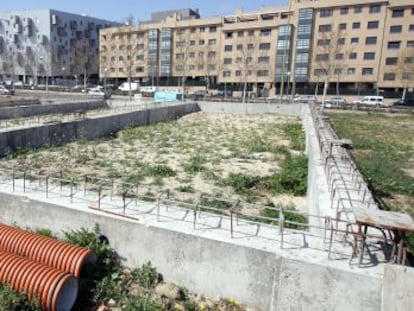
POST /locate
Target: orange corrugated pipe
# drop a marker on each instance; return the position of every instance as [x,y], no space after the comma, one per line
[60,255]
[55,290]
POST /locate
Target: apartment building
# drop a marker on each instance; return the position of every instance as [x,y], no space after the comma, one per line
[46,44]
[353,44]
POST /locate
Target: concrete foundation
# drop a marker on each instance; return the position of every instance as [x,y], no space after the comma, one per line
[259,278]
[59,133]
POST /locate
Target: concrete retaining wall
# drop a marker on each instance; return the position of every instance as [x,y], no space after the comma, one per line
[218,269]
[59,133]
[256,108]
[34,110]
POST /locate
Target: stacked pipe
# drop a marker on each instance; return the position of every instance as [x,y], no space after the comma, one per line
[42,268]
[55,290]
[49,251]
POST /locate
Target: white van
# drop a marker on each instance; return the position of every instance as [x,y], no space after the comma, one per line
[370,100]
[125,86]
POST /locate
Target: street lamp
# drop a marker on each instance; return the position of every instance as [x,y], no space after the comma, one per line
[63,76]
[105,75]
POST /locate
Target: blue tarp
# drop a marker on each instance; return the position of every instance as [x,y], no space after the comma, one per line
[164,96]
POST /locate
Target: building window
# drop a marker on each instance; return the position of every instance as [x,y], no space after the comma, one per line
[303,43]
[265,32]
[325,28]
[211,54]
[226,73]
[179,56]
[238,73]
[356,25]
[374,9]
[394,45]
[398,13]
[396,29]
[202,29]
[179,44]
[240,34]
[353,55]
[338,71]
[264,60]
[367,71]
[213,29]
[227,61]
[192,30]
[370,40]
[410,44]
[179,68]
[357,9]
[228,48]
[339,56]
[251,33]
[369,55]
[192,42]
[239,47]
[354,40]
[351,71]
[228,35]
[200,54]
[201,42]
[412,11]
[264,46]
[323,42]
[326,12]
[319,72]
[411,27]
[389,76]
[211,67]
[373,24]
[390,61]
[342,26]
[191,55]
[139,69]
[212,42]
[180,31]
[263,73]
[322,57]
[250,46]
[344,11]
[341,41]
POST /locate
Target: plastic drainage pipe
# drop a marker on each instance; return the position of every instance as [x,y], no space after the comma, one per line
[51,252]
[55,290]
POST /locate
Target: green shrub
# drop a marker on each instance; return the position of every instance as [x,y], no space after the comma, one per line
[10,300]
[160,171]
[296,134]
[241,183]
[186,188]
[142,303]
[146,276]
[110,287]
[293,177]
[195,164]
[45,232]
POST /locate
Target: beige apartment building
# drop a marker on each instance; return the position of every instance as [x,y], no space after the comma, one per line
[353,44]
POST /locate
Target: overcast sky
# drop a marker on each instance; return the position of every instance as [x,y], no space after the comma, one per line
[141,10]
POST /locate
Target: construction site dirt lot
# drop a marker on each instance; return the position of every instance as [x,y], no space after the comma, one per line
[247,157]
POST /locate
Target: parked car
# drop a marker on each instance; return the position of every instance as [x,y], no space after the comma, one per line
[370,100]
[305,99]
[5,91]
[99,91]
[405,102]
[336,101]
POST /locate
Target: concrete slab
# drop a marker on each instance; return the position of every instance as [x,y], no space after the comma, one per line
[398,288]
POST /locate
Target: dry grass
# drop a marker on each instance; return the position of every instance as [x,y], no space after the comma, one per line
[195,154]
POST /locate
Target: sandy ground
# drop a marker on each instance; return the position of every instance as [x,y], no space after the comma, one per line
[197,151]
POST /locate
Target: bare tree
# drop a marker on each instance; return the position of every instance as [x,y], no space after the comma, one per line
[249,63]
[405,70]
[182,62]
[207,63]
[330,59]
[85,59]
